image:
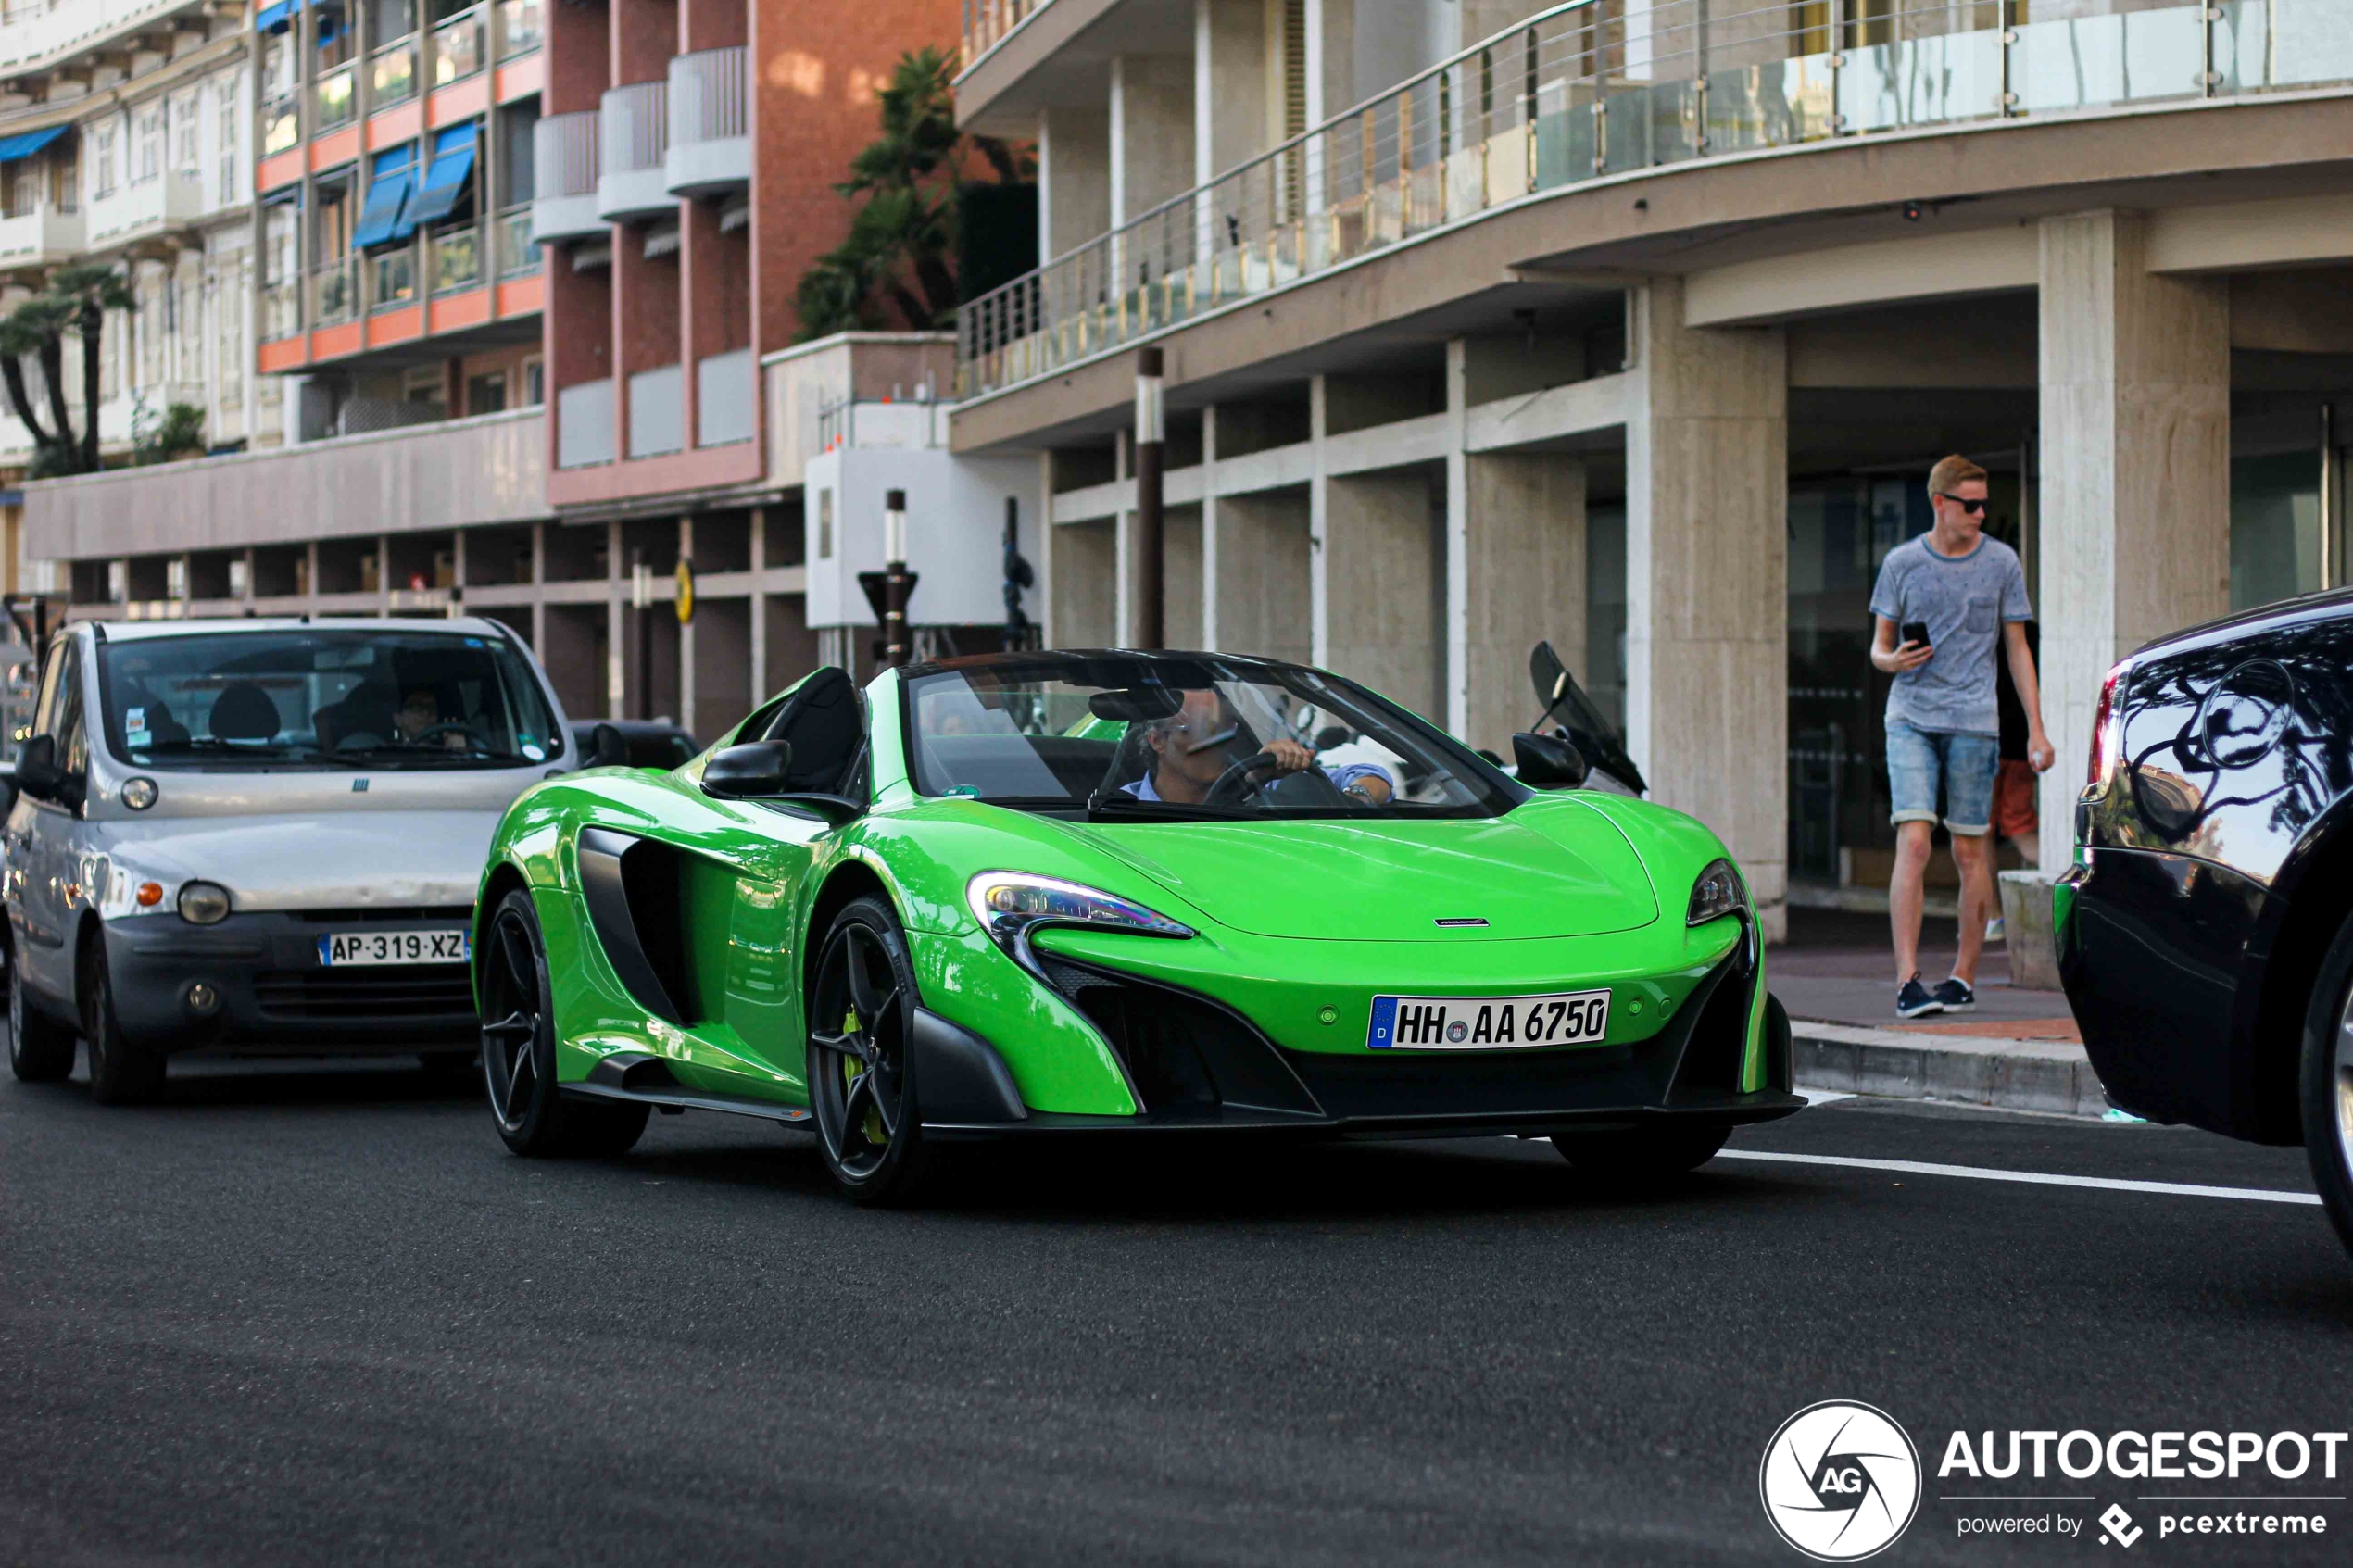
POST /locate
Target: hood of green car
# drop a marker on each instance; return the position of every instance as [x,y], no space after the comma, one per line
[1548,869]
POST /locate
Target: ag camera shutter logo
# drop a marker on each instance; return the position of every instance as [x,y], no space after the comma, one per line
[1840,1481]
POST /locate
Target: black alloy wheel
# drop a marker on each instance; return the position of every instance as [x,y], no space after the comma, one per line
[123,1071]
[40,1049]
[2327,1088]
[518,1050]
[859,1085]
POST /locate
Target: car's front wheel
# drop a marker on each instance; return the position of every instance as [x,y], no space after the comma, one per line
[519,1051]
[40,1049]
[859,1085]
[2327,1093]
[123,1071]
[1642,1151]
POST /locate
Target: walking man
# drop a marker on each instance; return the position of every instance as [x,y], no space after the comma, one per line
[1943,603]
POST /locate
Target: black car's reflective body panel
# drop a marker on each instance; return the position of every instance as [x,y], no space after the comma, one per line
[2213,867]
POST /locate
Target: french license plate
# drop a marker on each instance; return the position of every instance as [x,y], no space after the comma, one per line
[344,949]
[1481,1023]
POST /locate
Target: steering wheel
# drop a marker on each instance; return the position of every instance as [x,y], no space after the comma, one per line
[432,732]
[1235,786]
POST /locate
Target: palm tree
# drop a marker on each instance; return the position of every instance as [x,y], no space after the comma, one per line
[76,301]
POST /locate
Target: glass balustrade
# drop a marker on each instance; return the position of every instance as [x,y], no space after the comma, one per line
[517,251]
[333,99]
[281,125]
[392,74]
[392,278]
[519,26]
[334,292]
[457,258]
[456,48]
[281,309]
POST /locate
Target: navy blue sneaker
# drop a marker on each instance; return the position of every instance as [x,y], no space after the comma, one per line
[1954,996]
[1914,999]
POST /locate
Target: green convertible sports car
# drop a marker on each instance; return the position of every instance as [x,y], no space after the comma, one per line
[1039,895]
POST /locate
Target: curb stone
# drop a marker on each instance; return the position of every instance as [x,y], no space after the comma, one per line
[2045,1075]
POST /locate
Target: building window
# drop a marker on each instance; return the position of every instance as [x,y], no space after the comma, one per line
[225,116]
[534,381]
[824,525]
[185,112]
[101,170]
[487,394]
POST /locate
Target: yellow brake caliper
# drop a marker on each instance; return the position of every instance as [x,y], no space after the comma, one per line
[872,1127]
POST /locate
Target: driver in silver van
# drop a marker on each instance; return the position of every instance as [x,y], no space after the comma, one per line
[1192,748]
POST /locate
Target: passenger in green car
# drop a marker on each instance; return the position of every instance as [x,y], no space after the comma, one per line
[1192,747]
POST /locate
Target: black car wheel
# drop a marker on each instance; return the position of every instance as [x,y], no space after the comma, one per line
[519,1051]
[1643,1151]
[859,1085]
[123,1071]
[40,1049]
[2328,1083]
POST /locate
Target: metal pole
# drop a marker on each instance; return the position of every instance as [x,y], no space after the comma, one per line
[641,597]
[1151,435]
[895,579]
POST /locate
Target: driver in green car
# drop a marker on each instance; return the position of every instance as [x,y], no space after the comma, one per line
[1192,748]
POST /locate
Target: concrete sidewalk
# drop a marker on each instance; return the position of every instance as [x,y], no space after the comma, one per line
[2018,1049]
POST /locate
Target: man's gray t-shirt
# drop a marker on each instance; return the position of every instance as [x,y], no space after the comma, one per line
[1965,600]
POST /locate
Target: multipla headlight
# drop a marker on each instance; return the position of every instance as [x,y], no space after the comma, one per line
[1008,904]
[1717,892]
[204,903]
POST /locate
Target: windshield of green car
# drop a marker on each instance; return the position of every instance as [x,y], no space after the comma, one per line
[1183,738]
[324,697]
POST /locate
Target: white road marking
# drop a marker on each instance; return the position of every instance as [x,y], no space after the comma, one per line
[1822,1097]
[2036,1178]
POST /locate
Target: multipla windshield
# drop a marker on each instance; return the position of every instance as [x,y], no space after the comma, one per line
[323,697]
[1175,738]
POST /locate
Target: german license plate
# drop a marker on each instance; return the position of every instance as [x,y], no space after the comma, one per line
[346,948]
[1481,1023]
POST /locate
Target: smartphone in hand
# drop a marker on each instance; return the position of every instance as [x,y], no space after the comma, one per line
[1913,632]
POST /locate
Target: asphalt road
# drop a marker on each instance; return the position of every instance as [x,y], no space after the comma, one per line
[318,1315]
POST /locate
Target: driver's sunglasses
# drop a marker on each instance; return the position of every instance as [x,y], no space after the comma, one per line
[1972,507]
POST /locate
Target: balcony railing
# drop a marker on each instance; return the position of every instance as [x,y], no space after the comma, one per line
[514,250]
[392,278]
[564,177]
[1597,88]
[988,21]
[709,147]
[41,231]
[392,74]
[334,292]
[632,136]
[281,309]
[280,124]
[519,28]
[457,258]
[28,34]
[331,99]
[458,48]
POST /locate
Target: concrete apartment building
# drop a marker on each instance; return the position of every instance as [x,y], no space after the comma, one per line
[125,137]
[1635,324]
[524,301]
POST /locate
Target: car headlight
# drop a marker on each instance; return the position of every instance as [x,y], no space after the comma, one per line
[204,903]
[1011,905]
[1717,892]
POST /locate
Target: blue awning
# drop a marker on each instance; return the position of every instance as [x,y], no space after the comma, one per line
[277,18]
[382,219]
[27,142]
[445,184]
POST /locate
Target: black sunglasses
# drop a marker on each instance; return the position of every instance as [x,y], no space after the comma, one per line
[1972,507]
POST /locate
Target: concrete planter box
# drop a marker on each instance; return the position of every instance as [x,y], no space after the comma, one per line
[2026,920]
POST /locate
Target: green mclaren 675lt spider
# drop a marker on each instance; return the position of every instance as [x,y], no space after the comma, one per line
[1042,895]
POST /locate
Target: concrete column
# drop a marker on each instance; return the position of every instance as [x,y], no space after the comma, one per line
[1319,492]
[1073,178]
[1524,571]
[1261,580]
[1151,132]
[1211,508]
[755,633]
[2134,512]
[1083,597]
[616,625]
[1707,580]
[1050,630]
[1183,581]
[1384,586]
[1229,86]
[1123,545]
[1455,713]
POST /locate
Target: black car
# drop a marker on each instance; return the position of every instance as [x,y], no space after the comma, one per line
[2206,928]
[645,743]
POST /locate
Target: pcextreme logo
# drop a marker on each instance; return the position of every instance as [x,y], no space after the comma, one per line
[1840,1481]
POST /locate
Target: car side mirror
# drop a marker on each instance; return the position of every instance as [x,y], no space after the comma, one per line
[37,772]
[606,748]
[750,772]
[1548,762]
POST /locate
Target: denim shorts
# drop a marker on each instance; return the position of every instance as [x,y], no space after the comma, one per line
[1919,759]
